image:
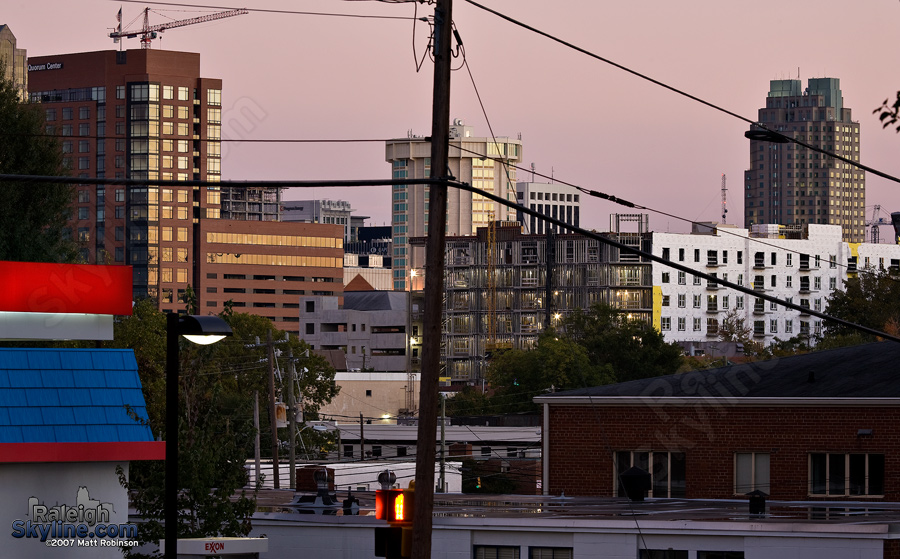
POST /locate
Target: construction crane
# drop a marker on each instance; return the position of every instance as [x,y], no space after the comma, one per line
[148,32]
[876,222]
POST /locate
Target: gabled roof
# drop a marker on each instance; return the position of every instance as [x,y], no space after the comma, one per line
[867,371]
[72,397]
[358,283]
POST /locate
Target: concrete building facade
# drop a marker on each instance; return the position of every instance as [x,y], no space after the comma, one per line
[558,201]
[337,212]
[478,161]
[804,270]
[789,184]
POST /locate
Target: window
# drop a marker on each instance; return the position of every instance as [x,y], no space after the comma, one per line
[682,300]
[664,554]
[681,278]
[846,474]
[788,256]
[310,328]
[740,257]
[697,324]
[696,280]
[739,302]
[681,323]
[696,255]
[720,555]
[665,253]
[665,303]
[665,277]
[666,469]
[681,255]
[665,323]
[697,301]
[549,553]
[788,281]
[496,552]
[832,283]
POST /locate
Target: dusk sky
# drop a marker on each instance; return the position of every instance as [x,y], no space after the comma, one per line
[317,77]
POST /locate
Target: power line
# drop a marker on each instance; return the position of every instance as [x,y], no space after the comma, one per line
[770,134]
[467,187]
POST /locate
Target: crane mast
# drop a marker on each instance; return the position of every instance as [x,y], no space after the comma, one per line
[724,200]
[148,32]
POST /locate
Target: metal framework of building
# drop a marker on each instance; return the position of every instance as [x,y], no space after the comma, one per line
[581,272]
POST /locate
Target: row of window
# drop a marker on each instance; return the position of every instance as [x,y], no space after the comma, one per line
[759,326]
[829,474]
[759,258]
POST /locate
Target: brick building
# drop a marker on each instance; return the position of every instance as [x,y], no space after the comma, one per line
[817,427]
[264,268]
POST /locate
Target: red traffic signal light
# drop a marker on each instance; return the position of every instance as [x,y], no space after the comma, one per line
[394,505]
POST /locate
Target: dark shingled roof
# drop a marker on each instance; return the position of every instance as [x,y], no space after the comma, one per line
[863,371]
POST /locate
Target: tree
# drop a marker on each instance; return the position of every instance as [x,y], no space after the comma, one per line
[889,113]
[556,363]
[33,217]
[734,328]
[216,433]
[871,299]
[631,347]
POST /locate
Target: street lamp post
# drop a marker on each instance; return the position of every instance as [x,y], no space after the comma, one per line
[201,330]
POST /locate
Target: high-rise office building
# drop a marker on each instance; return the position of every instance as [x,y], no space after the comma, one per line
[482,162]
[14,61]
[145,115]
[791,185]
[148,115]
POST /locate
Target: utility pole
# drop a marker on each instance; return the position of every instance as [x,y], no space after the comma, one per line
[271,349]
[256,453]
[292,421]
[434,283]
[362,439]
[442,485]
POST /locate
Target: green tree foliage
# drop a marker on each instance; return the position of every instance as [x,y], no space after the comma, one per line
[556,363]
[33,217]
[594,347]
[871,299]
[216,433]
[632,348]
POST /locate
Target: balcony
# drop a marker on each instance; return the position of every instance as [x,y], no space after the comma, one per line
[712,308]
[759,308]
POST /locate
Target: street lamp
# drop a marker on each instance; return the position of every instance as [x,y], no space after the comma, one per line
[203,330]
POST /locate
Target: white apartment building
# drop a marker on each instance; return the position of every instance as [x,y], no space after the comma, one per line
[803,270]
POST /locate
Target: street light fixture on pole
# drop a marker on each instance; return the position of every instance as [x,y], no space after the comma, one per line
[203,330]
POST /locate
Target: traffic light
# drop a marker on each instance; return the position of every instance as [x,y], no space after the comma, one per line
[396,506]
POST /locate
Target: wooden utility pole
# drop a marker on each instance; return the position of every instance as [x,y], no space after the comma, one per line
[362,438]
[292,422]
[256,452]
[272,419]
[434,283]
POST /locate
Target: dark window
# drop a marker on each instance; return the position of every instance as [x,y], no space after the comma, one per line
[496,552]
[310,306]
[211,276]
[376,450]
[663,554]
[310,328]
[368,393]
[348,451]
[550,553]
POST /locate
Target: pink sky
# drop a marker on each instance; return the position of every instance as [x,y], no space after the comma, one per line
[317,77]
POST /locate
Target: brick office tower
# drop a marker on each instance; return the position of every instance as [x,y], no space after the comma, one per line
[791,185]
[145,115]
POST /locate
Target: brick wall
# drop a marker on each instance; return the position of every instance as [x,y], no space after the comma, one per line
[584,438]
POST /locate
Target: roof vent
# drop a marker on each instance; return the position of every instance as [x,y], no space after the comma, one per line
[636,482]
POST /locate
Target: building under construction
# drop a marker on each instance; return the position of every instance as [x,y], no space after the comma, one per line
[504,288]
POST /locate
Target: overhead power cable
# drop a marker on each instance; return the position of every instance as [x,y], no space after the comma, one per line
[774,135]
[469,188]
